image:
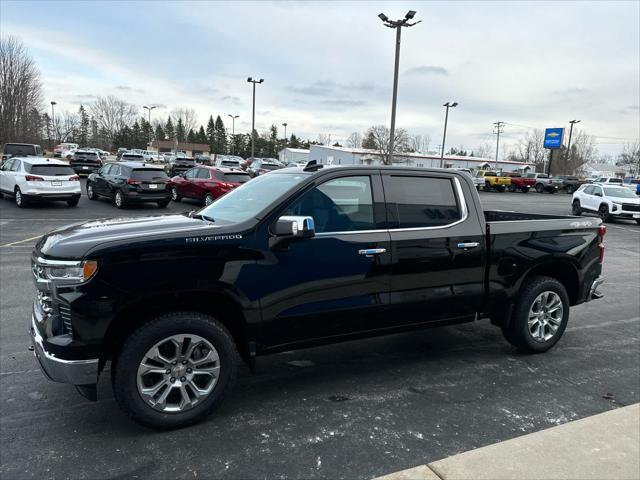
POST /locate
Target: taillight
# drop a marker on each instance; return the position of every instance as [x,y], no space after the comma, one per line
[75,178]
[602,231]
[31,178]
[131,181]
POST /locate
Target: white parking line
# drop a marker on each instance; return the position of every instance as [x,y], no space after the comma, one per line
[20,241]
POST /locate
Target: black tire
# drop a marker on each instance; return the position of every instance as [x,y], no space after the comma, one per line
[208,199]
[539,188]
[518,332]
[552,191]
[638,221]
[524,189]
[570,189]
[500,188]
[73,202]
[125,368]
[603,213]
[163,203]
[119,200]
[91,194]
[174,195]
[575,208]
[20,200]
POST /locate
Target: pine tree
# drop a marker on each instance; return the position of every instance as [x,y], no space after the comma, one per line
[169,131]
[146,130]
[181,135]
[369,141]
[83,129]
[220,137]
[294,142]
[136,136]
[211,134]
[202,136]
[272,145]
[191,137]
[159,132]
[95,136]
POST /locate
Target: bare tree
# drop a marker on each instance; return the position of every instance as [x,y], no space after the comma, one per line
[583,151]
[66,126]
[419,143]
[354,140]
[382,135]
[20,91]
[112,115]
[529,148]
[484,150]
[630,157]
[324,138]
[187,115]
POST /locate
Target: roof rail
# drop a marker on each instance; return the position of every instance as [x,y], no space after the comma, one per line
[312,166]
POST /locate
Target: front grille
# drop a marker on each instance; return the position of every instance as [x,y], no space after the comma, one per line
[65,314]
[630,207]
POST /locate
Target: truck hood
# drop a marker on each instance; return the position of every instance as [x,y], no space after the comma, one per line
[77,240]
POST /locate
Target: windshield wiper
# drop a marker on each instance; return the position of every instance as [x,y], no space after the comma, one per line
[193,214]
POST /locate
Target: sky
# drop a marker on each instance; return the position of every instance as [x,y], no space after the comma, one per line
[328,66]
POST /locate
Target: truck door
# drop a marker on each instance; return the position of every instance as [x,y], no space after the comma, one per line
[438,247]
[338,281]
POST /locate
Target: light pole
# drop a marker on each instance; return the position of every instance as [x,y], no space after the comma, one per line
[233,132]
[444,135]
[151,131]
[397,24]
[285,133]
[253,113]
[53,121]
[572,122]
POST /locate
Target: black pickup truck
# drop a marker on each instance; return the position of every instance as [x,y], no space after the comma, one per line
[295,258]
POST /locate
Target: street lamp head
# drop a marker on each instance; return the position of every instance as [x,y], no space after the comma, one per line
[410,14]
[575,121]
[250,79]
[261,80]
[54,103]
[454,104]
[383,17]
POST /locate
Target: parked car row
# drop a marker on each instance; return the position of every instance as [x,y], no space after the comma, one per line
[524,182]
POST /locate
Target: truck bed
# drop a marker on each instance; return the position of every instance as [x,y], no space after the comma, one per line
[506,216]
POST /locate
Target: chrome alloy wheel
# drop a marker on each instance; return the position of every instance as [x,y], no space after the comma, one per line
[208,200]
[178,373]
[174,194]
[545,316]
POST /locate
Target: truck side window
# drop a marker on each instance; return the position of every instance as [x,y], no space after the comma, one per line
[340,205]
[422,201]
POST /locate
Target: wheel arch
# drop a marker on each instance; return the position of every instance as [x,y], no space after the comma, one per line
[563,271]
[217,304]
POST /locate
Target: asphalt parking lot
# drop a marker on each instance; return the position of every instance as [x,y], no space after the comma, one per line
[352,410]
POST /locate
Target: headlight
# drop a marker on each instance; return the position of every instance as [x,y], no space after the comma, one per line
[615,207]
[67,271]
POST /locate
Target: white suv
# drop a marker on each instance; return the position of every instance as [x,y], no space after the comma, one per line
[37,178]
[608,201]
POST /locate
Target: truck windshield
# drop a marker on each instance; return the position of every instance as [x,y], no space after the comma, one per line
[248,200]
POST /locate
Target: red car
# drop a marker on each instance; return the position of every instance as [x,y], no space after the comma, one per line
[206,183]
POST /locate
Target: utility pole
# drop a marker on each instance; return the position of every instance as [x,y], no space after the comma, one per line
[53,122]
[397,24]
[233,132]
[498,128]
[572,122]
[253,114]
[444,135]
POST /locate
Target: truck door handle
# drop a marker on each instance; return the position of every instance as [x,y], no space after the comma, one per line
[467,245]
[369,252]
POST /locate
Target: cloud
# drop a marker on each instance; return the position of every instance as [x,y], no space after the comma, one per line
[125,88]
[343,102]
[231,99]
[571,91]
[329,88]
[427,70]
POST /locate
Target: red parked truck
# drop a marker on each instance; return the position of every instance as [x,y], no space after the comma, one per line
[206,183]
[520,183]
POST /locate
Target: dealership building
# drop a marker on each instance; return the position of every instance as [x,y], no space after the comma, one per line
[328,155]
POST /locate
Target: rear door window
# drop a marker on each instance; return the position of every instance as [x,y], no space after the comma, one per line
[418,202]
[149,175]
[50,170]
[203,173]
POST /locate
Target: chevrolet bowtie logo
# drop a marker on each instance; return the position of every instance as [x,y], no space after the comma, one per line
[553,135]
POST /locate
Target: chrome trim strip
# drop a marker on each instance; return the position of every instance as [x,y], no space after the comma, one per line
[52,263]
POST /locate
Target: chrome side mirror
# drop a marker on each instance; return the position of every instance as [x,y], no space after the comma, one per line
[295,226]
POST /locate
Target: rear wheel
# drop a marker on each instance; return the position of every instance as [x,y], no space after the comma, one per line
[539,188]
[119,200]
[174,195]
[500,188]
[174,370]
[575,208]
[603,213]
[21,202]
[208,199]
[91,194]
[540,316]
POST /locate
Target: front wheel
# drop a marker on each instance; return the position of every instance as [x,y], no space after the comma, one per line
[91,194]
[603,213]
[575,208]
[174,195]
[500,189]
[208,199]
[539,188]
[540,316]
[175,370]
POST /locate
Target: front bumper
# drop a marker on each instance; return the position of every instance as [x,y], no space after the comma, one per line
[74,372]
